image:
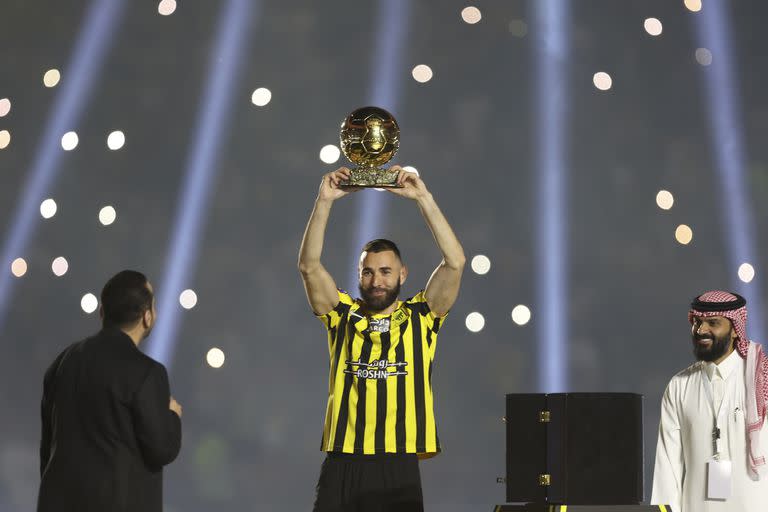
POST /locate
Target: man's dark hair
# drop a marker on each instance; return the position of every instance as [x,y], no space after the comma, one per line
[381,245]
[125,298]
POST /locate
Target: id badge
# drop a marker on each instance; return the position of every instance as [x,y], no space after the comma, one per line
[718,479]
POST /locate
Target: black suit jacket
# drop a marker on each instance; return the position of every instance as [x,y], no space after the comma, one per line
[107,430]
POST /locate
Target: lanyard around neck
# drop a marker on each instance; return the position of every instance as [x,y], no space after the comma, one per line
[721,413]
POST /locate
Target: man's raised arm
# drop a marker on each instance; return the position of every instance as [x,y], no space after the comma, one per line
[443,287]
[318,283]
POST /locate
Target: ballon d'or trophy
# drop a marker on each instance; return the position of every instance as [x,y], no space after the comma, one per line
[369,138]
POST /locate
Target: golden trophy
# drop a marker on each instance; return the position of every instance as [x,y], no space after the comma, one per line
[369,138]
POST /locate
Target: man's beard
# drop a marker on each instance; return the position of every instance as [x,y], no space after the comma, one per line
[717,349]
[379,302]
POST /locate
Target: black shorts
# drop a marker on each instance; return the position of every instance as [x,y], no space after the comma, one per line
[370,483]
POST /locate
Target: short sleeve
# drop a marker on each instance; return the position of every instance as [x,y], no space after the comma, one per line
[332,318]
[419,301]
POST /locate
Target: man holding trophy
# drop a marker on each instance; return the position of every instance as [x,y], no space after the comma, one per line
[379,418]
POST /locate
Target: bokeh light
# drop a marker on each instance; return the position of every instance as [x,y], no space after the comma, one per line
[471,15]
[518,28]
[330,154]
[653,26]
[51,78]
[684,234]
[19,267]
[116,140]
[5,139]
[166,7]
[5,107]
[69,141]
[107,215]
[48,208]
[693,5]
[665,199]
[746,272]
[215,357]
[521,314]
[475,322]
[422,73]
[703,56]
[60,266]
[188,299]
[261,97]
[481,264]
[602,80]
[89,303]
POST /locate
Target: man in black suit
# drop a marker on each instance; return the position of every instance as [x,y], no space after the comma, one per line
[109,421]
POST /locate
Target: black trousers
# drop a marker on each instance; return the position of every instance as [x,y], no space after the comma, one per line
[369,483]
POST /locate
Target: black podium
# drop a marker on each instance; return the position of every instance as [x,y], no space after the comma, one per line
[575,452]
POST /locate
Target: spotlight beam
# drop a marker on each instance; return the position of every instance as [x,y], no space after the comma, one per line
[551,56]
[385,82]
[95,38]
[201,170]
[713,32]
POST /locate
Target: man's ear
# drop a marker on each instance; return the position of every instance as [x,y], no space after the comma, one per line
[403,274]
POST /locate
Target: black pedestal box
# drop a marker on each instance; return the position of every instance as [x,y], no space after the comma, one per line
[575,448]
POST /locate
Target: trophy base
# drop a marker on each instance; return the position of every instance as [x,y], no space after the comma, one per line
[371,177]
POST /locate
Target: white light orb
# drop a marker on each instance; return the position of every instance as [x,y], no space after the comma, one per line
[5,139]
[215,357]
[60,266]
[481,264]
[166,7]
[261,97]
[422,73]
[48,208]
[116,140]
[471,15]
[746,272]
[475,322]
[51,78]
[69,141]
[188,299]
[665,199]
[653,26]
[602,80]
[19,267]
[107,215]
[330,154]
[521,314]
[89,303]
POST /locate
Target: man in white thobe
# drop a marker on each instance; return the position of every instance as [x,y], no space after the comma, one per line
[712,427]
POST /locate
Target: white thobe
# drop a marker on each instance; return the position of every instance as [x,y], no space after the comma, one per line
[685,441]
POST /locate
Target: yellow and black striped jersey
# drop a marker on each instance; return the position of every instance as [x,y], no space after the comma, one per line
[380,381]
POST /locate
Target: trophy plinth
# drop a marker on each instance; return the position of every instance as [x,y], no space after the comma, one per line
[371,177]
[370,137]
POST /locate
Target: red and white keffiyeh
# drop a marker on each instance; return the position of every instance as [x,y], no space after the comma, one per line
[734,308]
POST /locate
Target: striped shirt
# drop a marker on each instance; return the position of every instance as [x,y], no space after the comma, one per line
[380,381]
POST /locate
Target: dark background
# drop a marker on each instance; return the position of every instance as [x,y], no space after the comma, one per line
[252,428]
